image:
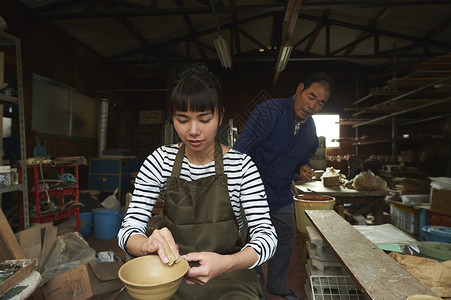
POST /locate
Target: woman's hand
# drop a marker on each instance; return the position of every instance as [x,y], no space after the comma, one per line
[159,241]
[210,266]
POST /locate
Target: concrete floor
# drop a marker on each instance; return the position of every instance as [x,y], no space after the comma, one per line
[296,274]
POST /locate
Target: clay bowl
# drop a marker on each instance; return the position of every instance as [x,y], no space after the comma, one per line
[147,277]
[423,297]
[314,197]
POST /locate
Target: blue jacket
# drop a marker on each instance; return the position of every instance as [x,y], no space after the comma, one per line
[268,137]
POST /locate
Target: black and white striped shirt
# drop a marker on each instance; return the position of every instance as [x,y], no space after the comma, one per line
[245,189]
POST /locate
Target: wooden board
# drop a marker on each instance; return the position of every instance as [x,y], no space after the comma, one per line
[48,241]
[30,241]
[377,275]
[27,266]
[10,246]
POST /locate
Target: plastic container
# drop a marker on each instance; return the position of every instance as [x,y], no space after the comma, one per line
[405,217]
[87,229]
[436,250]
[310,202]
[5,176]
[107,222]
[437,233]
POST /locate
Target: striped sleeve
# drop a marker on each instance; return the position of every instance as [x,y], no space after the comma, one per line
[149,183]
[252,199]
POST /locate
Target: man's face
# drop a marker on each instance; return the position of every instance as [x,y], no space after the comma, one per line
[308,102]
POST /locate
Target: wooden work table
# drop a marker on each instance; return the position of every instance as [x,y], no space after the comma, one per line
[366,200]
[377,275]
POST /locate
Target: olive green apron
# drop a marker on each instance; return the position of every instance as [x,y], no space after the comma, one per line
[200,217]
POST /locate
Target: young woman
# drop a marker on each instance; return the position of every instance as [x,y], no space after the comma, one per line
[205,187]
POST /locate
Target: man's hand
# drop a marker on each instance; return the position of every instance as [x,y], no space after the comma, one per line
[306,173]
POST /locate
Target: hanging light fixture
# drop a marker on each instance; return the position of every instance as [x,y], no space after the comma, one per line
[222,48]
[284,55]
[221,45]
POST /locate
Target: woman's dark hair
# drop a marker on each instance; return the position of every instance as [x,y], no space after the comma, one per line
[322,78]
[197,89]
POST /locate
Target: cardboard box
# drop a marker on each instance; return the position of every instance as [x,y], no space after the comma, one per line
[439,219]
[151,117]
[441,201]
[84,282]
[331,181]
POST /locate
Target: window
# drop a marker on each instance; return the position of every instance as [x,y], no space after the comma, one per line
[327,126]
[63,111]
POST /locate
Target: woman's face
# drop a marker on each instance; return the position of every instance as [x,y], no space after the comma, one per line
[197,129]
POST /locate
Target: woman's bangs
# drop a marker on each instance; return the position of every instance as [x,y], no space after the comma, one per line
[195,98]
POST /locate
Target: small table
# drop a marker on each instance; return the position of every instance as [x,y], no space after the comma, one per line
[372,200]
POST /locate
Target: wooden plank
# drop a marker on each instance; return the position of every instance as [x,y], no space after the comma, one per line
[9,239]
[30,241]
[377,275]
[26,267]
[49,239]
[4,251]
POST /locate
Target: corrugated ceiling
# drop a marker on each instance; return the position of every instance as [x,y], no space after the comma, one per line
[157,32]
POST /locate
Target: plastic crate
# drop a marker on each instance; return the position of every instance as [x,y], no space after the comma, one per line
[405,218]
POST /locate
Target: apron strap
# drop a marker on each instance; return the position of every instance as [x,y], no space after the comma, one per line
[178,161]
[219,165]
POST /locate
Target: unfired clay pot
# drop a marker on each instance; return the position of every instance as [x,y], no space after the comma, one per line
[147,277]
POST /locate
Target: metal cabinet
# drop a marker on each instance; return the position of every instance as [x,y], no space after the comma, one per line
[107,175]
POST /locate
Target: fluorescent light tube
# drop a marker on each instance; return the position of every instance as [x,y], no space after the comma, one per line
[222,48]
[284,55]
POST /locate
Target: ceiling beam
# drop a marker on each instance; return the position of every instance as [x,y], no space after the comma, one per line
[199,33]
[235,33]
[407,37]
[192,30]
[321,23]
[362,38]
[252,39]
[261,8]
[372,25]
[291,16]
[163,12]
[270,57]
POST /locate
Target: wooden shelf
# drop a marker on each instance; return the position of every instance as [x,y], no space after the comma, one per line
[9,99]
[372,142]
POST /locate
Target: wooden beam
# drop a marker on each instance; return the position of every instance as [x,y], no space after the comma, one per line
[373,24]
[11,247]
[291,16]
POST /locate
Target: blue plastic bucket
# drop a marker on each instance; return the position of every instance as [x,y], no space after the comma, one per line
[437,233]
[107,222]
[87,229]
